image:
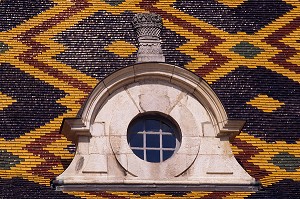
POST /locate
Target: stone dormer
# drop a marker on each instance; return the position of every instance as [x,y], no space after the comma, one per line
[153,127]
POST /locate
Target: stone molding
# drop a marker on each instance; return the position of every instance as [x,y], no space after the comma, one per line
[174,74]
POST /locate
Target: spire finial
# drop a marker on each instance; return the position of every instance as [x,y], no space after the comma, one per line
[148,27]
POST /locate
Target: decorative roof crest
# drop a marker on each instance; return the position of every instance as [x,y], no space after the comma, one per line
[148,27]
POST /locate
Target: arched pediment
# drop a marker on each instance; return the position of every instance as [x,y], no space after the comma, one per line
[177,76]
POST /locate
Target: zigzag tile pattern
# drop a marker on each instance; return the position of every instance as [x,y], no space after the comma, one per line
[26,114]
[53,53]
[16,12]
[244,84]
[249,17]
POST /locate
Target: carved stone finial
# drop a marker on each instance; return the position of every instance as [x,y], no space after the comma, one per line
[148,27]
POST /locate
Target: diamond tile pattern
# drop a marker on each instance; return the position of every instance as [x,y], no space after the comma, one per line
[3,47]
[249,17]
[265,103]
[114,2]
[53,53]
[8,160]
[5,101]
[26,114]
[245,84]
[232,4]
[121,48]
[286,161]
[246,49]
[15,12]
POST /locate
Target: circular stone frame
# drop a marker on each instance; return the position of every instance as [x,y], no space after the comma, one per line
[175,133]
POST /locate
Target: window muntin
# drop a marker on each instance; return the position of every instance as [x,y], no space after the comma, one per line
[153,138]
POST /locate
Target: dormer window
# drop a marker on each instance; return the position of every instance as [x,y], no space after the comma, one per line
[153,127]
[127,135]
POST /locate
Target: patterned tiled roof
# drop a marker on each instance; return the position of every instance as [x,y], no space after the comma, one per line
[53,53]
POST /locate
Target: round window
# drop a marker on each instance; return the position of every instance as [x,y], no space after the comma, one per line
[153,138]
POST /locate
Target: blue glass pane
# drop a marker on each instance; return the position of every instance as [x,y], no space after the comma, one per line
[136,127]
[168,141]
[136,140]
[152,141]
[152,125]
[165,128]
[139,153]
[167,154]
[152,155]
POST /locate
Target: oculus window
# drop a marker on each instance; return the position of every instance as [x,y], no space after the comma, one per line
[153,138]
